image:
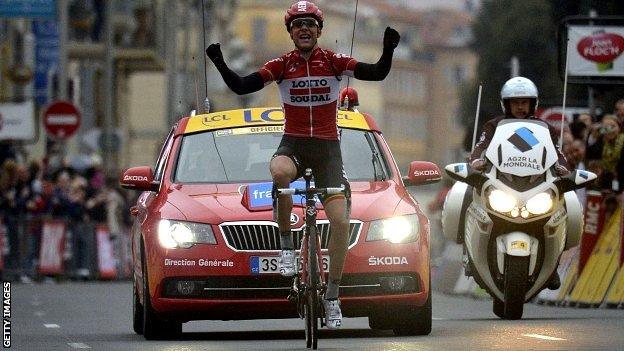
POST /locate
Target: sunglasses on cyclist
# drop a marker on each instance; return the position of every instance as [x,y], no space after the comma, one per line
[300,22]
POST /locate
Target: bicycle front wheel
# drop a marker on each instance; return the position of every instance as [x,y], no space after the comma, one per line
[312,293]
[312,318]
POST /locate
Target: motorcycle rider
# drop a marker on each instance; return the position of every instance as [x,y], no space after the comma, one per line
[309,79]
[519,99]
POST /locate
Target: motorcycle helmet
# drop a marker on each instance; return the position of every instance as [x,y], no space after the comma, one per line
[303,9]
[519,87]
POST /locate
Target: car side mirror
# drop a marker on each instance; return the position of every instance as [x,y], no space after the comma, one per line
[421,173]
[139,178]
[575,180]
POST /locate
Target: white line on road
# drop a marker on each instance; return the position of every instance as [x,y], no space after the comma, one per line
[78,345]
[39,313]
[544,337]
[51,325]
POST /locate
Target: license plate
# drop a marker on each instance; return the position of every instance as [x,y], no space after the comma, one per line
[268,264]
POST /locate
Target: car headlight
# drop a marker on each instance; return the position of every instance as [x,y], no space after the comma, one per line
[540,203]
[500,201]
[179,234]
[400,229]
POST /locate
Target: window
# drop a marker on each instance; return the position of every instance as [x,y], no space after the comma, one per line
[231,156]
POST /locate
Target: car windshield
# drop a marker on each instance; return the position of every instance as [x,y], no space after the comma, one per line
[243,155]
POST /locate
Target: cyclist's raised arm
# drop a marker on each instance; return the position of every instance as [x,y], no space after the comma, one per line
[239,85]
[379,70]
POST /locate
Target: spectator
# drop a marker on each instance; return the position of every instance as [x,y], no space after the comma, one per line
[608,149]
[618,110]
[575,154]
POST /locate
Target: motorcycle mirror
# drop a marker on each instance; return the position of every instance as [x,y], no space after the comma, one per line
[464,173]
[575,180]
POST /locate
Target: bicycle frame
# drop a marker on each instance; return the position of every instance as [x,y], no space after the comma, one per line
[309,283]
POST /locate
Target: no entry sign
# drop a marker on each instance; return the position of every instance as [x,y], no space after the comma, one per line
[61,119]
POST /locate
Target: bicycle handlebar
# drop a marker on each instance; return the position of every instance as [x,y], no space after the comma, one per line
[311,191]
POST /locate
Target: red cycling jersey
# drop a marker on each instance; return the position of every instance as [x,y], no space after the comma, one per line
[309,90]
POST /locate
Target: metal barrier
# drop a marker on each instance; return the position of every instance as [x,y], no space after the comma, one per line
[35,247]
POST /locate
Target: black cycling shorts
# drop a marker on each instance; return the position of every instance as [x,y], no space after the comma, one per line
[322,156]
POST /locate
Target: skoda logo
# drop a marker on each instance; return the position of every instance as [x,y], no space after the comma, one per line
[294,218]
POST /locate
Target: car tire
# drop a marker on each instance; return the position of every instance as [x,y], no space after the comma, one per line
[414,321]
[137,310]
[379,322]
[155,327]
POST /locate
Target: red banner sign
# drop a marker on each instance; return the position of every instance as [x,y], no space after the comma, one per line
[52,247]
[594,223]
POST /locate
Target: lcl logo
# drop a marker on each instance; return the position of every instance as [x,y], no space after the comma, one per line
[294,219]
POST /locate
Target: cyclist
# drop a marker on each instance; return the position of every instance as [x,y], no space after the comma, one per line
[308,79]
[519,99]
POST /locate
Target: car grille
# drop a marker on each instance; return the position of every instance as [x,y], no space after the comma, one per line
[254,236]
[276,286]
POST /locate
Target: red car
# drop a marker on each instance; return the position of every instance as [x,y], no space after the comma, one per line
[205,246]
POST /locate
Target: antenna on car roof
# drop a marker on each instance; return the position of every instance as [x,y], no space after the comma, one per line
[353,36]
[206,101]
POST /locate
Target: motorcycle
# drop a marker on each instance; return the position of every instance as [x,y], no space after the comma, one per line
[516,217]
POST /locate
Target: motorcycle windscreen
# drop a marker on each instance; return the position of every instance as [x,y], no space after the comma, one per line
[522,148]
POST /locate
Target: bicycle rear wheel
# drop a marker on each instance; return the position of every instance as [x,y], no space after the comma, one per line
[312,294]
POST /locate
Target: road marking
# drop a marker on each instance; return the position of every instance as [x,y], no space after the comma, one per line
[78,345]
[51,325]
[39,313]
[36,303]
[544,337]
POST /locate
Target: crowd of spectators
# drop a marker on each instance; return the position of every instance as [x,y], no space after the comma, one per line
[595,143]
[44,189]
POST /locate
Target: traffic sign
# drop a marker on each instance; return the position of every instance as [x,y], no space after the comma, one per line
[61,119]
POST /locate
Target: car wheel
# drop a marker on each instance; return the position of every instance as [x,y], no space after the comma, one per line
[414,321]
[137,310]
[155,327]
[380,321]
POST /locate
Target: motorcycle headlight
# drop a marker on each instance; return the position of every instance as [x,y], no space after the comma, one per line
[400,229]
[540,203]
[500,201]
[180,234]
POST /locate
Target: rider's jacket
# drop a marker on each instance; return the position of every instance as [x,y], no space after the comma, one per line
[309,90]
[488,133]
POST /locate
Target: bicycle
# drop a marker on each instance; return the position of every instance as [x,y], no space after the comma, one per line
[309,284]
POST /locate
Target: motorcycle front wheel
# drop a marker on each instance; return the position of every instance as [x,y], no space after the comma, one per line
[516,281]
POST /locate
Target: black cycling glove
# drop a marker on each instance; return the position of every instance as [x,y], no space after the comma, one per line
[239,85]
[391,38]
[379,70]
[214,53]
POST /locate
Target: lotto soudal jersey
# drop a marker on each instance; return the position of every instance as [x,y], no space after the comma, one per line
[309,90]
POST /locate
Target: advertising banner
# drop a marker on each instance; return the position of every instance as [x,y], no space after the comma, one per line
[17,121]
[596,51]
[46,58]
[105,253]
[52,247]
[594,223]
[28,9]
